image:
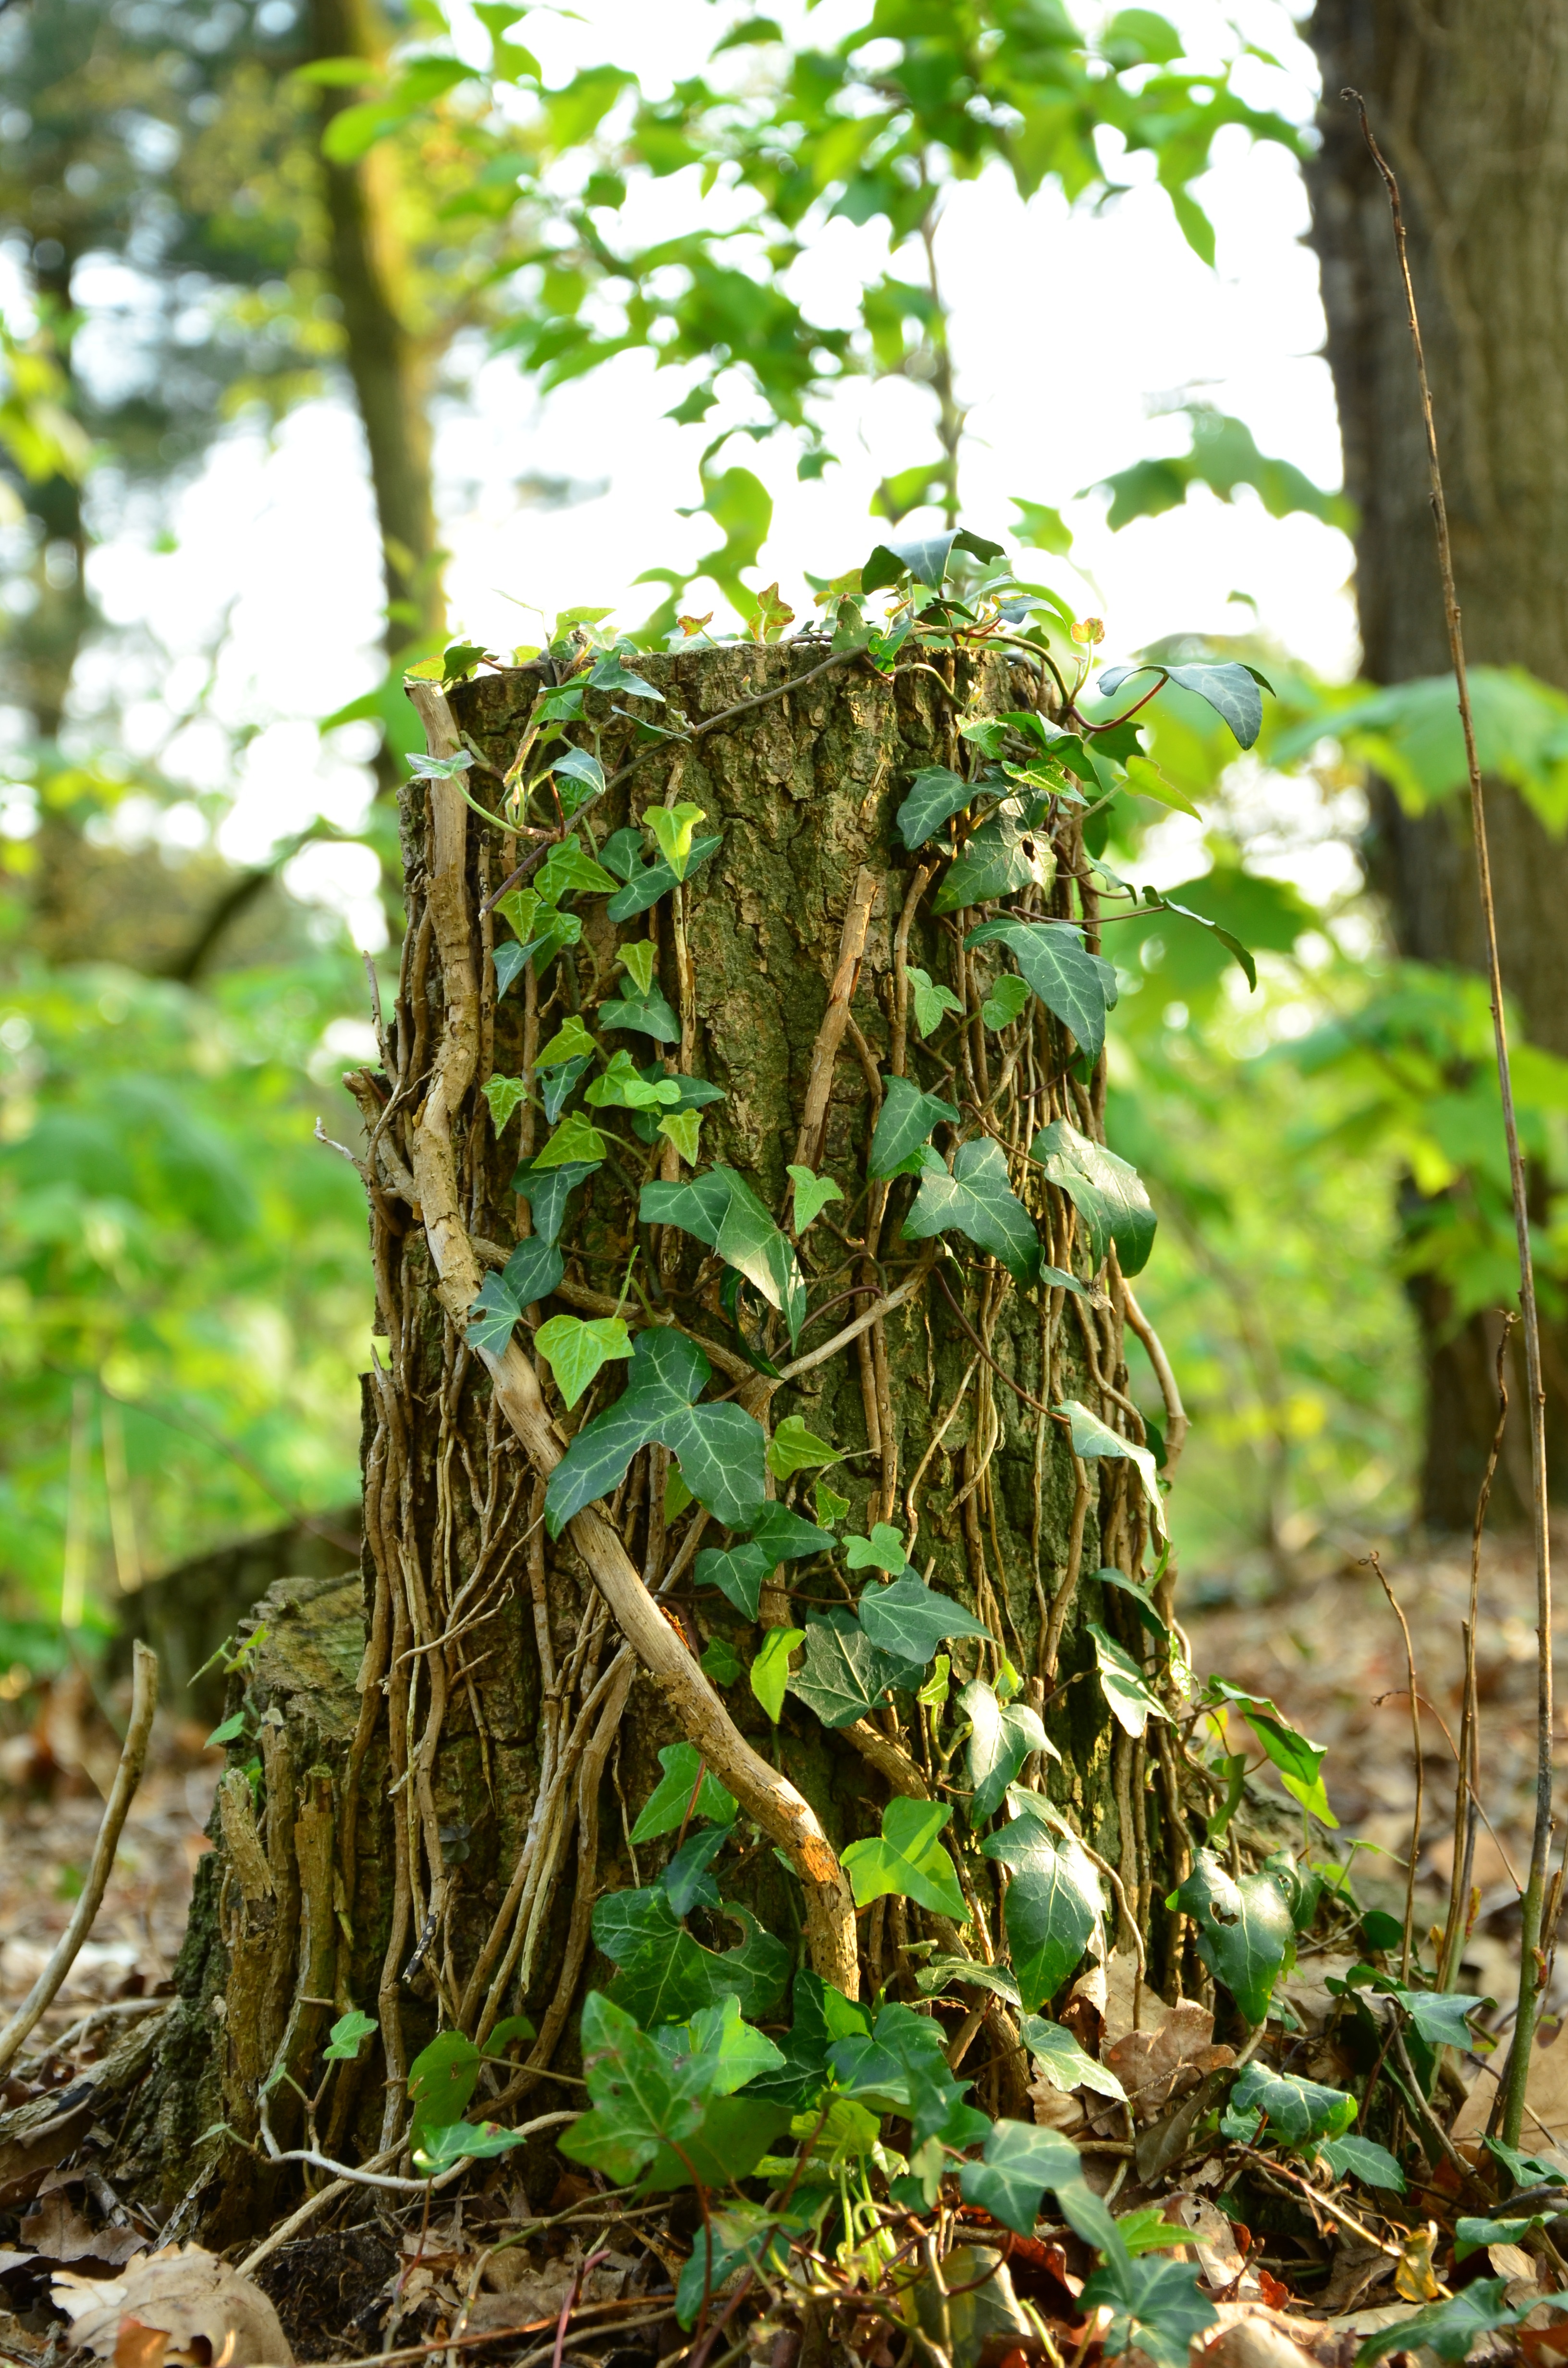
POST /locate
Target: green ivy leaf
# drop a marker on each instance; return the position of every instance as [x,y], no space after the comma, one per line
[574,1144]
[1122,1683]
[646,882]
[1298,2109]
[727,2145]
[1002,856]
[1091,1437]
[907,1860]
[504,1095]
[978,1202]
[1299,1760]
[555,1085]
[1004,1002]
[1229,688]
[720,1448]
[812,1194]
[566,871]
[884,1549]
[903,1124]
[624,1086]
[1106,1192]
[1363,2159]
[1246,1932]
[686,1882]
[785,1537]
[794,1448]
[935,794]
[570,1040]
[1452,2328]
[547,1191]
[1156,2306]
[672,827]
[1441,2017]
[940,1973]
[647,1015]
[844,1675]
[1072,983]
[638,959]
[579,765]
[1065,2063]
[738,1573]
[534,1270]
[441,2079]
[1021,2163]
[464,2142]
[770,1670]
[1002,1736]
[931,1000]
[576,1347]
[609,674]
[720,1208]
[641,2099]
[683,1128]
[493,1317]
[1052,1905]
[347,2035]
[830,1506]
[671,1798]
[912,1621]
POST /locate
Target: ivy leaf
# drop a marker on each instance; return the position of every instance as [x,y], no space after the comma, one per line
[907,1860]
[1106,1192]
[671,1798]
[812,1194]
[574,1144]
[1241,955]
[903,1124]
[1246,1932]
[1299,1760]
[1156,2306]
[441,2079]
[1065,2063]
[1004,1002]
[935,794]
[844,1674]
[1441,2017]
[1122,1683]
[756,1972]
[978,1202]
[609,674]
[683,1128]
[576,1348]
[1138,1593]
[1229,689]
[721,1661]
[912,1621]
[686,1881]
[347,2035]
[672,827]
[504,1094]
[1052,1905]
[534,1270]
[547,1193]
[494,1315]
[569,1040]
[646,882]
[931,1000]
[1363,2159]
[794,1448]
[721,1208]
[728,2143]
[925,558]
[1452,2328]
[830,1506]
[648,1015]
[640,959]
[1091,1437]
[735,2049]
[940,1973]
[1298,2109]
[884,1549]
[579,765]
[464,2142]
[1021,2163]
[566,869]
[691,1094]
[1067,978]
[623,1087]
[1002,1736]
[785,1537]
[1002,856]
[738,1574]
[555,1085]
[641,2099]
[770,1670]
[722,1450]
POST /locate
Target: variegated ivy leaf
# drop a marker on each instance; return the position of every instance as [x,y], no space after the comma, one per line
[672,827]
[575,1347]
[504,1095]
[978,1202]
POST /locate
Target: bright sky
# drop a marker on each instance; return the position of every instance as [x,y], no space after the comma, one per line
[1071,332]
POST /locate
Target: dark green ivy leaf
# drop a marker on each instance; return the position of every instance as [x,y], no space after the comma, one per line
[646,882]
[1002,1736]
[935,794]
[1052,1905]
[721,1208]
[1452,2329]
[844,1674]
[912,1621]
[1021,2163]
[978,1202]
[739,1574]
[903,1124]
[1298,2109]
[1072,983]
[1246,1933]
[1106,1192]
[547,1189]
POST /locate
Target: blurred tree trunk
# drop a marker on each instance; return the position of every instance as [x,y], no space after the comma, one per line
[444,1781]
[1469,102]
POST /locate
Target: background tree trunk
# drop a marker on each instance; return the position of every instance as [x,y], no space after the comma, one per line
[1471,103]
[429,1846]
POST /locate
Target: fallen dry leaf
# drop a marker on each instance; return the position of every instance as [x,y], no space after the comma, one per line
[1220,2256]
[208,2311]
[1255,2343]
[1155,2065]
[59,2233]
[1546,2095]
[140,2347]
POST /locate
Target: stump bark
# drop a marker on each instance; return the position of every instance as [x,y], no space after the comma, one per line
[440,1766]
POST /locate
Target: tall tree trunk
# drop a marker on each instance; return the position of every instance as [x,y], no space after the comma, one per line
[1471,102]
[430,1848]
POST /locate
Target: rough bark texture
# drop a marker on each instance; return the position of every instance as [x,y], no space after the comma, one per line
[439,1776]
[1471,103]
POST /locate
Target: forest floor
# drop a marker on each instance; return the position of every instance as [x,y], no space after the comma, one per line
[1323,1643]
